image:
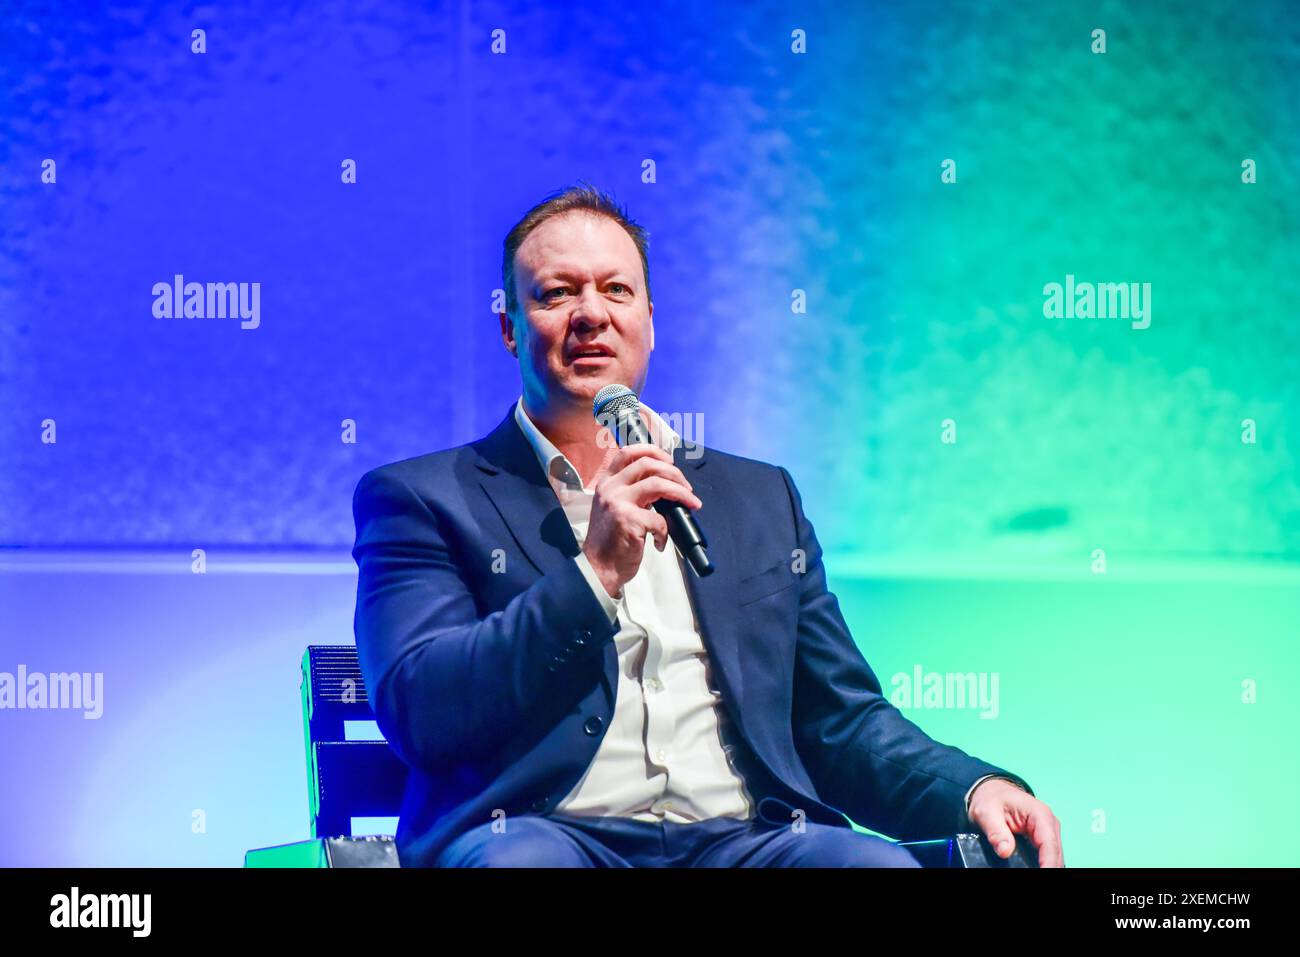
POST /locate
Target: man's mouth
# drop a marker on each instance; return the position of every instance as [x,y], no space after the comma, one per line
[590,353]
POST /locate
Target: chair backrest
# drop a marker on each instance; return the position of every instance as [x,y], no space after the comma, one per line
[345,779]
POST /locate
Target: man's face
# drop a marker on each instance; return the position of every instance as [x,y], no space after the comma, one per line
[586,320]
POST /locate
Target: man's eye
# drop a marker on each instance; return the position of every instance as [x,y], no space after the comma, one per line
[548,293]
[619,286]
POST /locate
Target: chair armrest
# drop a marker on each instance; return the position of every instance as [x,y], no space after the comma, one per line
[970,850]
[376,850]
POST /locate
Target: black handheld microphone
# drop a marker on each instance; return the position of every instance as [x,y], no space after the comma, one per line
[618,409]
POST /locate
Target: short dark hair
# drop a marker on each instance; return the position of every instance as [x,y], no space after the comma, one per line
[580,197]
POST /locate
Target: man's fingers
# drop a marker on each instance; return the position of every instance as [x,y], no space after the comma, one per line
[991,817]
[999,819]
[632,453]
[658,527]
[652,489]
[646,467]
[605,465]
[1045,831]
[1004,843]
[646,521]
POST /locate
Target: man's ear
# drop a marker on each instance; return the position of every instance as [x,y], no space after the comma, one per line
[652,327]
[508,334]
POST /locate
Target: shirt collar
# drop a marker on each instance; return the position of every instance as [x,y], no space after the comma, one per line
[555,464]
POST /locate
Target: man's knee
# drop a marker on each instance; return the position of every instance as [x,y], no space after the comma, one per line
[845,847]
[526,841]
[895,856]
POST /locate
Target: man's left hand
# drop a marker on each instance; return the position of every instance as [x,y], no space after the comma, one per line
[1001,810]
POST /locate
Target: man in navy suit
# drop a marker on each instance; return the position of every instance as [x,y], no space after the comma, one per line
[565,691]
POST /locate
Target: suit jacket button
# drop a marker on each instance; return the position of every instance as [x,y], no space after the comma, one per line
[584,637]
[593,725]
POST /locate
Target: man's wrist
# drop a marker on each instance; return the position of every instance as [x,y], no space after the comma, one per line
[992,777]
[608,580]
[610,604]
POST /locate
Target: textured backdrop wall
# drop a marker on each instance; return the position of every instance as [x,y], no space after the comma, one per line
[911,178]
[859,217]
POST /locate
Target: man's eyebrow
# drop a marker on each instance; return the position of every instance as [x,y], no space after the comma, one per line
[545,277]
[562,272]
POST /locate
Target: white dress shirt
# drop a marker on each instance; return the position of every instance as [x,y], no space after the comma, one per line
[663,757]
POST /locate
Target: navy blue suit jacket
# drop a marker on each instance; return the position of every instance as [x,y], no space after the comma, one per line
[492,671]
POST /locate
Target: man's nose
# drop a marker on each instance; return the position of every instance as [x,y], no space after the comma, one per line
[590,311]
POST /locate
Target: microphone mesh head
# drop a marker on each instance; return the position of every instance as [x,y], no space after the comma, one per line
[614,398]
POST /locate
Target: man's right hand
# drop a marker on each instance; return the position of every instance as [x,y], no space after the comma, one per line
[630,480]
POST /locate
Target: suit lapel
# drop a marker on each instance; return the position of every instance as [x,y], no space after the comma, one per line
[519,491]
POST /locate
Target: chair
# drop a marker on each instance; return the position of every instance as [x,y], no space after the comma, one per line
[347,779]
